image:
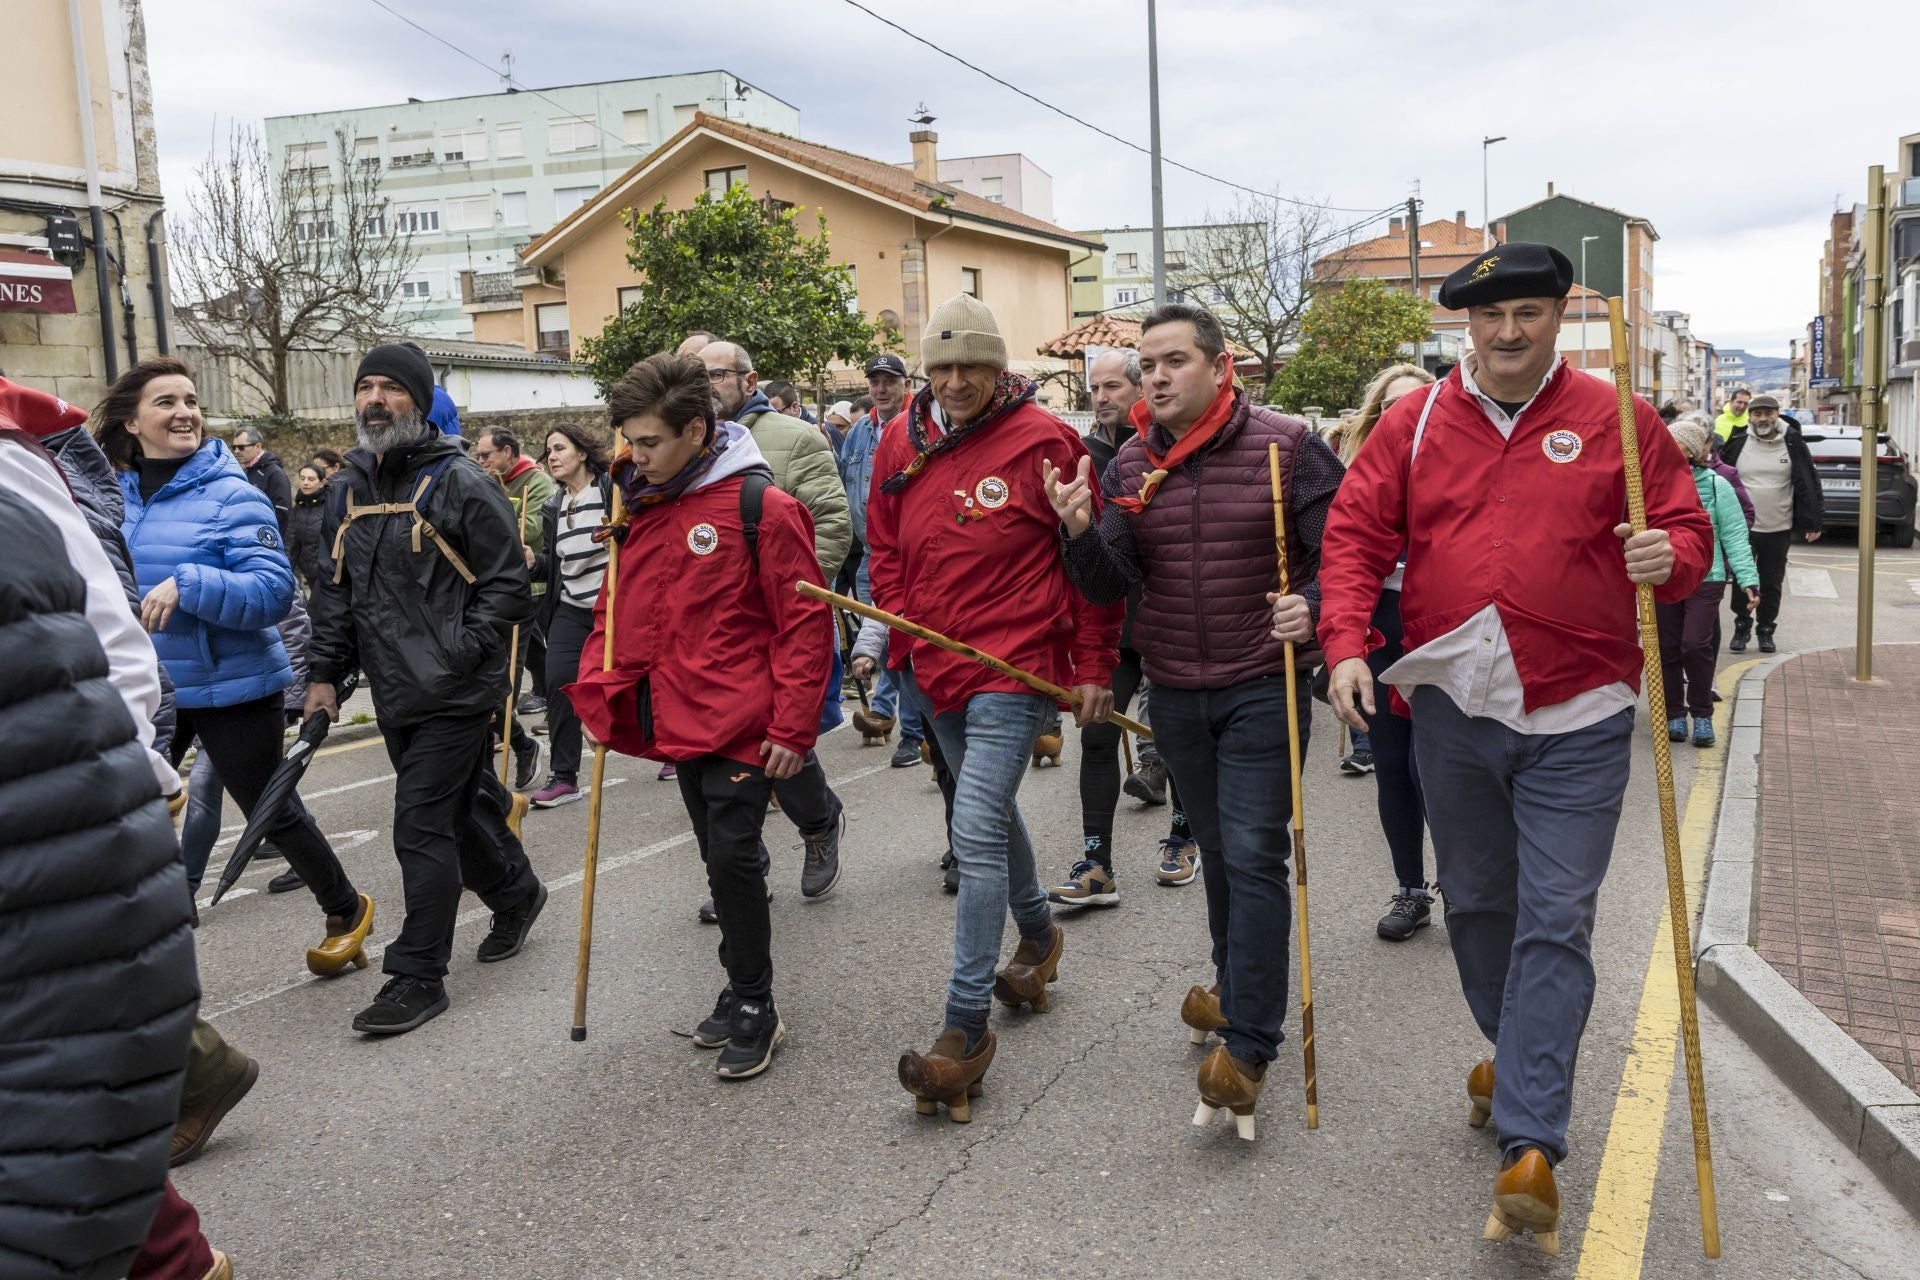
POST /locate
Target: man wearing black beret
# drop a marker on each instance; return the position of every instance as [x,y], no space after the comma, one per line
[1503,488]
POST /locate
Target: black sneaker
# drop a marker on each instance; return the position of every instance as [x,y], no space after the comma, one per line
[1148,783]
[713,1033]
[1410,909]
[532,705]
[822,868]
[753,1033]
[526,765]
[268,852]
[403,1004]
[906,754]
[950,873]
[509,931]
[1357,762]
[286,882]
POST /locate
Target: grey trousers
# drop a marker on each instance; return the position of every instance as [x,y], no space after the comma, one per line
[1523,828]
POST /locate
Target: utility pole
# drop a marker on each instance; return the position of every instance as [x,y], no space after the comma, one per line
[1486,229]
[1583,298]
[1413,244]
[1873,409]
[1153,107]
[96,215]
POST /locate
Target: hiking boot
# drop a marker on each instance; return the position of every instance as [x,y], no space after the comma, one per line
[526,765]
[1766,640]
[1526,1200]
[753,1033]
[1231,1084]
[950,873]
[557,792]
[403,1004]
[1677,729]
[509,931]
[193,1130]
[1179,862]
[1703,731]
[821,871]
[1035,964]
[1088,884]
[906,754]
[1357,762]
[1411,909]
[1148,783]
[286,882]
[1742,628]
[345,943]
[713,1033]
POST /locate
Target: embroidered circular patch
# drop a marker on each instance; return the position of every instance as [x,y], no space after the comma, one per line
[1561,446]
[702,540]
[992,493]
[268,538]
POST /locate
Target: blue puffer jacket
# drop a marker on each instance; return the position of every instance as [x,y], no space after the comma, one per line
[215,534]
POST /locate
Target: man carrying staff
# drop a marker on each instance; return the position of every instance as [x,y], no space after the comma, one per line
[428,583]
[1189,518]
[1505,485]
[964,542]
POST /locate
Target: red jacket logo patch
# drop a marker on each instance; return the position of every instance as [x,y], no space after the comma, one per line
[703,539]
[1561,446]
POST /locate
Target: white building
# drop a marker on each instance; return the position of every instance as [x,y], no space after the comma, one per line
[1012,180]
[473,179]
[1122,277]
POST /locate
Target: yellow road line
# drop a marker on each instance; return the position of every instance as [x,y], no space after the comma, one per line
[1616,1235]
[375,741]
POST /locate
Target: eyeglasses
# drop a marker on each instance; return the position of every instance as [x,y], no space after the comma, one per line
[721,375]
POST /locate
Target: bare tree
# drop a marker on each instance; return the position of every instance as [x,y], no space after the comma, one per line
[276,261]
[1254,267]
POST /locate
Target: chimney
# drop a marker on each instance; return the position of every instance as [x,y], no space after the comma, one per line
[1396,227]
[926,158]
[1549,191]
[1460,219]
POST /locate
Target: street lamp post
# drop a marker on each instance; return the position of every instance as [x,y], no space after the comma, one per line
[1486,231]
[1153,104]
[1583,298]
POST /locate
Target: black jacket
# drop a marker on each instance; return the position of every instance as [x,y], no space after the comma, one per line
[1809,504]
[431,644]
[307,548]
[97,984]
[1103,454]
[269,477]
[546,565]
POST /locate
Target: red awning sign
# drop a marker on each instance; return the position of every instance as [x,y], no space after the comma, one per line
[32,282]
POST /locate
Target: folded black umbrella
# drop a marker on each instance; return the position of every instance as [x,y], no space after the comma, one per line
[281,786]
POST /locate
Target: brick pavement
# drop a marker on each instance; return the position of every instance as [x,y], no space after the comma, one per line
[1838,911]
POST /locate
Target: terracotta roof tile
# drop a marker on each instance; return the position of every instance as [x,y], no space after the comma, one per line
[1442,237]
[1107,330]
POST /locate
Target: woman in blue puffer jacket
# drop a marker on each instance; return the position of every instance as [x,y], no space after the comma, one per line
[213,581]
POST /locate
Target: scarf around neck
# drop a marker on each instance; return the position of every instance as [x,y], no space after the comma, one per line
[635,490]
[1218,414]
[1010,391]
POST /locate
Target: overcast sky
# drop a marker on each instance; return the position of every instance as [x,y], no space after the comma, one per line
[1727,123]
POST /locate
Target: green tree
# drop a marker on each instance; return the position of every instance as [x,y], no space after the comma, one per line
[741,268]
[1350,333]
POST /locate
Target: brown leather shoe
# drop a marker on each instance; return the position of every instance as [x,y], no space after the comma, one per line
[222,1268]
[1034,965]
[1229,1084]
[193,1130]
[345,943]
[1480,1092]
[1526,1200]
[1046,750]
[1201,1012]
[945,1073]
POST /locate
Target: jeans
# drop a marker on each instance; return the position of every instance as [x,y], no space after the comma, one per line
[1523,828]
[1770,558]
[1687,650]
[200,827]
[727,805]
[1227,752]
[987,744]
[1401,804]
[569,629]
[449,830]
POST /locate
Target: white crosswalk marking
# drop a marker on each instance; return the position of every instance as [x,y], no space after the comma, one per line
[1813,584]
[1913,584]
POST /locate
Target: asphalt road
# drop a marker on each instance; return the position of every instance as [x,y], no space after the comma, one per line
[489,1144]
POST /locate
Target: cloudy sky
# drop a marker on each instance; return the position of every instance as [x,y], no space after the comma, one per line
[1724,122]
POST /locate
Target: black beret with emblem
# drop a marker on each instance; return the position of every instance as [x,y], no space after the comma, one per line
[1508,271]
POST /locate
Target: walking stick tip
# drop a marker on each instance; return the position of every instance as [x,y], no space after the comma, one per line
[578,1034]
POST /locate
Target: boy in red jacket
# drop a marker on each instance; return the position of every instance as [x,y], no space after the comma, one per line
[719,665]
[964,541]
[1504,485]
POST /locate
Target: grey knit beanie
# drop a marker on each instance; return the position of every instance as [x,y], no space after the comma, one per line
[963,331]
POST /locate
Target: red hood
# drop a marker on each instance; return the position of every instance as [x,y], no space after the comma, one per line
[35,412]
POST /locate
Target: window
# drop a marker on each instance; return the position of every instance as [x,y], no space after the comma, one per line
[627,296]
[991,188]
[506,141]
[470,213]
[417,289]
[719,180]
[571,133]
[415,218]
[567,199]
[635,129]
[307,155]
[376,223]
[513,208]
[1085,279]
[550,320]
[683,115]
[467,144]
[1126,262]
[366,152]
[406,150]
[1176,295]
[970,281]
[1125,297]
[1216,294]
[309,227]
[1176,259]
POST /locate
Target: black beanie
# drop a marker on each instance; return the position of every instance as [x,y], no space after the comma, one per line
[407,365]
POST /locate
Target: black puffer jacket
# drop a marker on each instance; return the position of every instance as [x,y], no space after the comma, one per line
[307,546]
[431,643]
[97,983]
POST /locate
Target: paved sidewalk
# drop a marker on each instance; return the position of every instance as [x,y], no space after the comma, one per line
[1837,911]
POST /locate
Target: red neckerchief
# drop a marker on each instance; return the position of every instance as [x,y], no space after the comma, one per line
[1185,447]
[518,469]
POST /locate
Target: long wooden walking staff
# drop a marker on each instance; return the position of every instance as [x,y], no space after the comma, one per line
[1299,817]
[592,870]
[513,660]
[1005,668]
[1663,777]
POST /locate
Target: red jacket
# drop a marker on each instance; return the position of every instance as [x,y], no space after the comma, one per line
[971,548]
[729,658]
[1525,524]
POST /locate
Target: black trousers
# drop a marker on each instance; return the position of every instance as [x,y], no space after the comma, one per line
[533,656]
[807,799]
[449,830]
[244,743]
[727,805]
[1770,558]
[1402,807]
[1100,767]
[569,629]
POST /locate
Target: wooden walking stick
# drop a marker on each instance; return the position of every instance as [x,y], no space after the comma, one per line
[1299,817]
[598,790]
[898,623]
[1663,778]
[513,673]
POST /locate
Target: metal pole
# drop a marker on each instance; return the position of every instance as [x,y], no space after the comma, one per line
[1153,111]
[83,90]
[1413,245]
[1486,214]
[1873,410]
[1583,300]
